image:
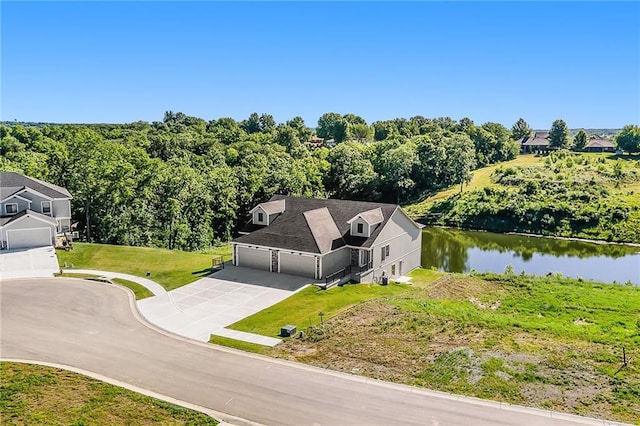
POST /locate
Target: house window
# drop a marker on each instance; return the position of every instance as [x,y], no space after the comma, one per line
[46,207]
[385,252]
[360,228]
[11,208]
[260,217]
[393,269]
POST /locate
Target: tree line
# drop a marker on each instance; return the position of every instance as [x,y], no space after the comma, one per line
[186,183]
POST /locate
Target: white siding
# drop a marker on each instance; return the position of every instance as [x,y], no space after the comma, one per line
[334,261]
[404,239]
[61,208]
[365,228]
[256,214]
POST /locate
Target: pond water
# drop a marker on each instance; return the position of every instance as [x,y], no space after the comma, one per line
[454,250]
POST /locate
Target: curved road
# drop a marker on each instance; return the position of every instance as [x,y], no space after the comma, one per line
[96,328]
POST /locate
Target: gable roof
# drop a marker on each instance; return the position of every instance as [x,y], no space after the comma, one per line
[9,181]
[599,143]
[271,207]
[6,220]
[538,139]
[294,230]
[372,217]
[324,230]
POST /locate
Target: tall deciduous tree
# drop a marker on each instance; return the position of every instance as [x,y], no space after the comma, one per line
[558,135]
[461,158]
[332,125]
[580,140]
[628,139]
[520,129]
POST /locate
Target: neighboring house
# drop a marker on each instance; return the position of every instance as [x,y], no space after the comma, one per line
[329,240]
[32,212]
[599,145]
[315,142]
[538,143]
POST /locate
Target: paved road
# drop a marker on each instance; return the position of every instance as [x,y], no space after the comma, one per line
[92,327]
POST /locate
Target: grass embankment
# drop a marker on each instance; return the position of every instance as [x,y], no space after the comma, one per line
[33,394]
[546,342]
[593,196]
[169,268]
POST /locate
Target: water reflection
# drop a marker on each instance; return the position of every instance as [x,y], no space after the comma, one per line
[461,251]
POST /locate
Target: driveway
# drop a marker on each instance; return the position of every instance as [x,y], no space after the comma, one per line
[208,305]
[93,327]
[28,263]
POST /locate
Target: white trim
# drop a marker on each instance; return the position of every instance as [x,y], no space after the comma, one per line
[27,189]
[50,208]
[10,224]
[15,195]
[26,229]
[398,208]
[6,211]
[283,249]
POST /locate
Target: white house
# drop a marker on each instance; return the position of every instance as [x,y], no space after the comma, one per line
[32,212]
[326,239]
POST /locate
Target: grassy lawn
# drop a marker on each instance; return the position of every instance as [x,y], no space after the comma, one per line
[169,268]
[302,308]
[140,292]
[33,394]
[547,342]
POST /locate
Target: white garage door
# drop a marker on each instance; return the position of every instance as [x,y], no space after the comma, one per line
[253,258]
[296,264]
[27,238]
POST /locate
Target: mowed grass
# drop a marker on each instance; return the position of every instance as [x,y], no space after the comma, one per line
[38,395]
[303,308]
[139,291]
[169,268]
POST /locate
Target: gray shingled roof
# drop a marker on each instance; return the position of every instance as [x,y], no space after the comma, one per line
[17,180]
[273,207]
[599,143]
[293,228]
[8,219]
[324,230]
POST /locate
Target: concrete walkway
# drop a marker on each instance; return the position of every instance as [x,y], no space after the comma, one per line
[210,304]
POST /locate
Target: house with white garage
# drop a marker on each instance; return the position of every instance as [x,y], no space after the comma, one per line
[32,212]
[329,240]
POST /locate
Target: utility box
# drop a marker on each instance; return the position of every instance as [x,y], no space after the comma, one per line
[288,331]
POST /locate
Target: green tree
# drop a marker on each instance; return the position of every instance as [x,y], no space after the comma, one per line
[461,159]
[628,139]
[558,135]
[396,174]
[520,129]
[332,125]
[580,140]
[351,174]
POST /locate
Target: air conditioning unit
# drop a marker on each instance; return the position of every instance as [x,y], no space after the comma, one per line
[288,331]
[75,235]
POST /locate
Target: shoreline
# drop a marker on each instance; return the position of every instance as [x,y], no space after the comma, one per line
[524,234]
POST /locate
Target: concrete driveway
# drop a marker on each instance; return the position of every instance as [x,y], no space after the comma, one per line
[28,263]
[208,305]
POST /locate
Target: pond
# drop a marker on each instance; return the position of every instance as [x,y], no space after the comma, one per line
[454,250]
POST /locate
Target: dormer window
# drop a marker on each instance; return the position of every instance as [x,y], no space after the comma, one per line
[11,208]
[261,217]
[360,228]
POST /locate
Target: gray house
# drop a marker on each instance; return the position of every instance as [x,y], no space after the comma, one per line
[32,212]
[329,240]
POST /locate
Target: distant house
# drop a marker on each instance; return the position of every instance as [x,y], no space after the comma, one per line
[315,142]
[32,212]
[329,240]
[330,143]
[599,145]
[538,143]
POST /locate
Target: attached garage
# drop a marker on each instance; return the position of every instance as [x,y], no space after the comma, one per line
[253,257]
[27,238]
[297,264]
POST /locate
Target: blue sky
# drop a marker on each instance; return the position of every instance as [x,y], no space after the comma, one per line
[489,61]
